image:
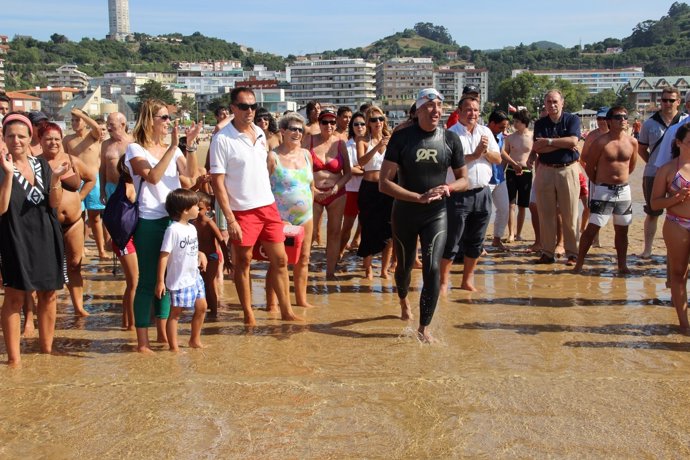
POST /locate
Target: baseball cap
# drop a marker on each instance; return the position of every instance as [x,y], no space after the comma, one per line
[36,117]
[426,95]
[601,113]
[469,89]
[327,112]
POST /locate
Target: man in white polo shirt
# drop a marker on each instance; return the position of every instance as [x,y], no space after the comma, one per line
[242,188]
[469,211]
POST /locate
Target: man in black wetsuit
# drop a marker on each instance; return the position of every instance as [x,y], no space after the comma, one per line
[420,156]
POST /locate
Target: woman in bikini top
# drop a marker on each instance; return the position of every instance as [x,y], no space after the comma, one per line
[671,191]
[331,173]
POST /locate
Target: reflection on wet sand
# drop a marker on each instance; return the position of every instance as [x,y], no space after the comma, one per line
[539,363]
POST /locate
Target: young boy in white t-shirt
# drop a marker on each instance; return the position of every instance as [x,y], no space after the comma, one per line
[181,258]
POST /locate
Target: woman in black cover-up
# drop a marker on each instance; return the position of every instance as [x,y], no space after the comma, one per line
[30,237]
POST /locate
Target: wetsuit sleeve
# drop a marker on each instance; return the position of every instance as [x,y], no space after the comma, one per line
[457,155]
[394,147]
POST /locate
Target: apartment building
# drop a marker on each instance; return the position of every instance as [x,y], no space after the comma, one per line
[398,80]
[4,48]
[52,99]
[645,92]
[450,83]
[113,84]
[340,81]
[68,76]
[596,80]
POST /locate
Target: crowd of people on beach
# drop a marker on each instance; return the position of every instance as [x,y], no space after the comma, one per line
[420,195]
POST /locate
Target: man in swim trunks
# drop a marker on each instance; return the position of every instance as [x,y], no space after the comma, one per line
[85,143]
[420,155]
[612,159]
[243,190]
[111,151]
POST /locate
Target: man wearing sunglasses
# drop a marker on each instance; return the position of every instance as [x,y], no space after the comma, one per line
[241,184]
[420,155]
[651,137]
[612,158]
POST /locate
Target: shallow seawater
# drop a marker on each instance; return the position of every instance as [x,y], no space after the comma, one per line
[539,363]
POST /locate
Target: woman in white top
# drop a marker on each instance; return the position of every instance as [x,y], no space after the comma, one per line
[374,207]
[357,129]
[159,165]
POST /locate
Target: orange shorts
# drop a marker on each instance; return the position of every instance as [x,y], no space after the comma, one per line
[260,224]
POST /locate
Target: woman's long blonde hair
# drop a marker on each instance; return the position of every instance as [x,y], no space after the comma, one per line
[143,130]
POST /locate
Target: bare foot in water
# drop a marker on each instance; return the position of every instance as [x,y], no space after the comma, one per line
[81,312]
[145,350]
[424,335]
[405,310]
[385,275]
[196,344]
[305,305]
[29,330]
[368,273]
[272,309]
[466,286]
[624,270]
[685,330]
[291,317]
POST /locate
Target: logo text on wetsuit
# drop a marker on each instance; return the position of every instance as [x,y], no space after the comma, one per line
[427,154]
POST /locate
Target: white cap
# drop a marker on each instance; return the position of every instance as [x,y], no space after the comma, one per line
[426,95]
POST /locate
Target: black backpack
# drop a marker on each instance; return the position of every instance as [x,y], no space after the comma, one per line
[121,216]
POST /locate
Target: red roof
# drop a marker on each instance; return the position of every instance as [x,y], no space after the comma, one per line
[25,97]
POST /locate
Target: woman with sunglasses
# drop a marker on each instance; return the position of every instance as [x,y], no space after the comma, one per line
[264,120]
[374,207]
[159,165]
[331,172]
[292,183]
[31,245]
[356,130]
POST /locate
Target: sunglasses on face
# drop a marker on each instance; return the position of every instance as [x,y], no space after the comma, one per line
[244,107]
[163,117]
[262,118]
[359,124]
[668,101]
[375,119]
[620,116]
[327,122]
[295,129]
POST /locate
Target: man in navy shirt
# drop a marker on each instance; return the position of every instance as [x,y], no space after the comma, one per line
[557,186]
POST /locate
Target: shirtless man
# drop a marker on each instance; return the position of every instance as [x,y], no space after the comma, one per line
[111,151]
[103,127]
[611,161]
[342,122]
[69,209]
[223,117]
[516,152]
[85,144]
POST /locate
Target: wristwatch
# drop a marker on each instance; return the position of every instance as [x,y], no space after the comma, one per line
[550,141]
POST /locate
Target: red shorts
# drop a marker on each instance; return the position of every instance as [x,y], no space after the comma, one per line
[351,207]
[260,224]
[128,249]
[583,186]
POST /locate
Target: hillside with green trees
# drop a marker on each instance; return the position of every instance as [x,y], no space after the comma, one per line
[661,47]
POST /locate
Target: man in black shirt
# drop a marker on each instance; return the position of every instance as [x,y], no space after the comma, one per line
[420,155]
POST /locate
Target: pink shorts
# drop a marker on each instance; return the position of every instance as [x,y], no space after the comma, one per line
[260,224]
[584,193]
[351,207]
[128,249]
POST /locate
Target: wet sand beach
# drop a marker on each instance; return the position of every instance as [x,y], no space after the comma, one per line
[539,363]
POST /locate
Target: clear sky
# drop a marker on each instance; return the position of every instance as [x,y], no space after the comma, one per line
[299,27]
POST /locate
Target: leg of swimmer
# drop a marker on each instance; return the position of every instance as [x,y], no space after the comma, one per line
[131,271]
[29,309]
[405,247]
[171,328]
[433,240]
[333,229]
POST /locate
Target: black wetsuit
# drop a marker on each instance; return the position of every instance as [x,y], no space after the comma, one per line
[423,159]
